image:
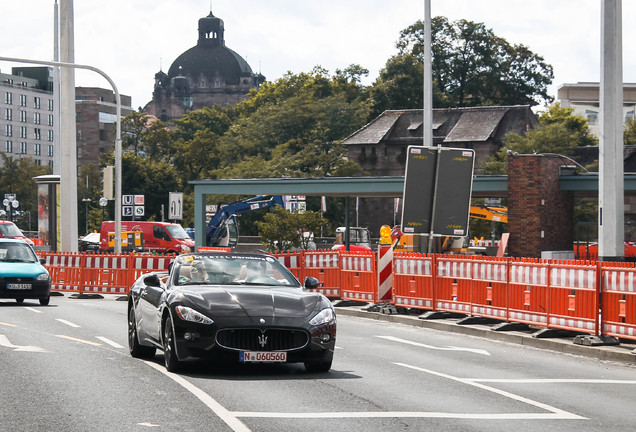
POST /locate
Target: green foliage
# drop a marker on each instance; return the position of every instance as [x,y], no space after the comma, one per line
[471,66]
[142,133]
[281,230]
[559,131]
[16,177]
[629,133]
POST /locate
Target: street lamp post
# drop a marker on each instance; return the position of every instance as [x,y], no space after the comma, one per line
[86,201]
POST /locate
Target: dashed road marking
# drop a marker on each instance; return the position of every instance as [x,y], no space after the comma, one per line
[68,323]
[447,348]
[5,342]
[32,309]
[74,339]
[109,342]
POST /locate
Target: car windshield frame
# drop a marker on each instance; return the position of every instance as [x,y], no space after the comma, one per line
[232,270]
[17,252]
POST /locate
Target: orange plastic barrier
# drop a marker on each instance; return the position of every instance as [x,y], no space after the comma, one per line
[324,265]
[490,288]
[618,299]
[293,261]
[359,278]
[453,283]
[106,274]
[413,280]
[574,296]
[141,264]
[213,249]
[65,269]
[528,292]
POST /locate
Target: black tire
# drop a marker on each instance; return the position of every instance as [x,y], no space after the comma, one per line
[134,347]
[45,301]
[319,366]
[169,354]
[19,300]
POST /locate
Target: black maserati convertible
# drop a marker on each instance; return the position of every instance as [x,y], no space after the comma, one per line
[228,306]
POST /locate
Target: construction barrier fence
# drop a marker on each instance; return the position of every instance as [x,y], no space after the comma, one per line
[589,297]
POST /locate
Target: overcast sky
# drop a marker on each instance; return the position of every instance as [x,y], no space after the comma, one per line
[131,40]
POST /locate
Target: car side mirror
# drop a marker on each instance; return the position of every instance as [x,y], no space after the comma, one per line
[152,280]
[311,282]
[42,260]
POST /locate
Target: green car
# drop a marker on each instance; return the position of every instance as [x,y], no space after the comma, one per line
[22,275]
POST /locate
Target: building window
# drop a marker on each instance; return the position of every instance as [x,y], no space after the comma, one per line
[50,135]
[23,100]
[23,132]
[36,102]
[49,150]
[38,162]
[102,135]
[37,133]
[36,118]
[50,122]
[37,149]
[8,146]
[23,116]
[51,164]
[8,130]
[51,105]
[8,98]
[8,114]
[23,148]
[592,116]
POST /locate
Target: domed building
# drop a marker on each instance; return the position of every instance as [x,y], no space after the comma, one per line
[207,74]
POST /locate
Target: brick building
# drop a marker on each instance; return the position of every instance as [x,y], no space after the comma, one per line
[207,74]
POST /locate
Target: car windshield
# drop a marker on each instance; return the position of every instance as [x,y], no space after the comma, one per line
[17,252]
[177,232]
[10,230]
[224,269]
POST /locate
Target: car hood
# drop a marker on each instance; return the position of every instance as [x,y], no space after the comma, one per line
[20,269]
[252,302]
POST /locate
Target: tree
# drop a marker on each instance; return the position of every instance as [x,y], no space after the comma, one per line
[559,131]
[282,230]
[16,177]
[143,133]
[471,66]
[629,133]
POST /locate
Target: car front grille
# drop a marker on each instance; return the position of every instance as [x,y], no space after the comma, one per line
[256,339]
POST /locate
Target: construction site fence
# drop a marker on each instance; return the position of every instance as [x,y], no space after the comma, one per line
[590,297]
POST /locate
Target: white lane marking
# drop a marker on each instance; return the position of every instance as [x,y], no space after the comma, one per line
[231,420]
[448,348]
[32,309]
[108,341]
[551,381]
[148,424]
[400,414]
[5,342]
[68,323]
[558,413]
[74,339]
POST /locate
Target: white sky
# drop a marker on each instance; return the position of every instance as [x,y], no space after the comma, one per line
[131,39]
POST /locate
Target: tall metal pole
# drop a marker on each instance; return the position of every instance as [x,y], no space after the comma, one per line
[68,144]
[611,230]
[427,124]
[56,90]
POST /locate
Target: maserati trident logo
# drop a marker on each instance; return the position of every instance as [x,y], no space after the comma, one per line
[262,321]
[262,340]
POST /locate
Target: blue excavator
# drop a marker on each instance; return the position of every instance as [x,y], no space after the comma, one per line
[221,230]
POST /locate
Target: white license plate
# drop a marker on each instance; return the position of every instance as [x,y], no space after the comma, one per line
[19,286]
[263,357]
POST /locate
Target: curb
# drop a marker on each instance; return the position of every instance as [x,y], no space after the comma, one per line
[625,352]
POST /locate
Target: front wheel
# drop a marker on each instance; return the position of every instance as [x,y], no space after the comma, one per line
[134,347]
[169,353]
[19,300]
[45,301]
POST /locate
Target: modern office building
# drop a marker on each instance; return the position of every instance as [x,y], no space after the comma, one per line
[27,118]
[584,98]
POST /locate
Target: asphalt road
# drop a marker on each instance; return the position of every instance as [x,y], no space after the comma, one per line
[66,367]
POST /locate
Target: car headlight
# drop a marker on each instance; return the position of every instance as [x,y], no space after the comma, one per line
[325,316]
[42,277]
[189,314]
[185,248]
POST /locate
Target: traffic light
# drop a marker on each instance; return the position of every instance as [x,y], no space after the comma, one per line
[108,174]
